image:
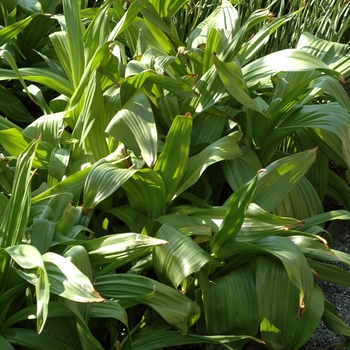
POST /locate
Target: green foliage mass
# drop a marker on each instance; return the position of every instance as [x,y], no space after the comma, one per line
[163,169]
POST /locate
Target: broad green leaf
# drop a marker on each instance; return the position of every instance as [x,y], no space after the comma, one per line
[259,224]
[231,76]
[97,32]
[92,122]
[146,193]
[235,215]
[127,19]
[67,281]
[297,323]
[13,222]
[240,170]
[119,248]
[42,234]
[134,126]
[225,148]
[181,258]
[178,310]
[73,183]
[232,300]
[15,143]
[288,60]
[294,263]
[13,108]
[153,340]
[330,273]
[333,322]
[6,345]
[132,218]
[14,29]
[103,179]
[59,160]
[31,339]
[59,41]
[74,32]
[337,189]
[40,76]
[302,201]
[280,177]
[29,258]
[328,51]
[172,162]
[49,126]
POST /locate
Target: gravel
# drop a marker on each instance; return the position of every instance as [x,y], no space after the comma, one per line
[323,338]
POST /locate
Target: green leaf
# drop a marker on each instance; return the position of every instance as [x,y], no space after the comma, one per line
[12,30]
[146,193]
[6,345]
[181,258]
[74,32]
[29,338]
[92,122]
[280,177]
[119,247]
[13,222]
[67,281]
[172,162]
[28,257]
[288,60]
[223,149]
[153,340]
[235,215]
[232,299]
[12,107]
[103,179]
[301,202]
[178,310]
[297,323]
[135,127]
[233,80]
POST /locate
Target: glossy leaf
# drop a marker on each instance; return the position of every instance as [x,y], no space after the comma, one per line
[181,258]
[13,222]
[102,180]
[172,161]
[224,149]
[175,308]
[135,127]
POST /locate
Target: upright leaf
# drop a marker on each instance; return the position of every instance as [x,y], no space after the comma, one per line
[13,222]
[172,161]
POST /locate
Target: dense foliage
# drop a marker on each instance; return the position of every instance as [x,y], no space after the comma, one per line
[163,169]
